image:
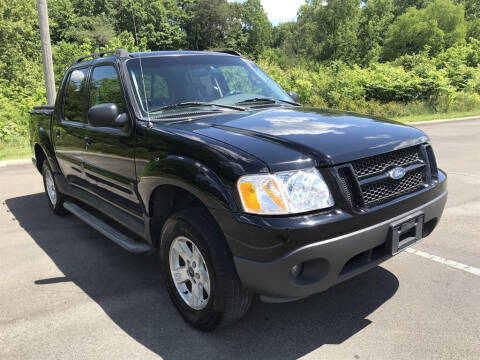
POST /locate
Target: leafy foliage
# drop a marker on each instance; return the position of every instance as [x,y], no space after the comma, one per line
[374,22]
[411,84]
[256,26]
[439,26]
[383,57]
[330,28]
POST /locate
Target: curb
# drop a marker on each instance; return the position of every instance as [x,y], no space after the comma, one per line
[441,121]
[5,163]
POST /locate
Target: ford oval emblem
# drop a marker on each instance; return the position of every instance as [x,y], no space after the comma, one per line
[397,173]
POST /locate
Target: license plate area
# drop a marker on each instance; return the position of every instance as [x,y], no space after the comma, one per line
[406,232]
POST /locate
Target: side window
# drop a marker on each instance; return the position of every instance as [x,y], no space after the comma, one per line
[75,96]
[105,87]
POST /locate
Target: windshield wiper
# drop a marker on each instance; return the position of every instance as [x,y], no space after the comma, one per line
[267,100]
[290,102]
[196,103]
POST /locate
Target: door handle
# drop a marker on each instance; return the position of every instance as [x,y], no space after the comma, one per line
[57,133]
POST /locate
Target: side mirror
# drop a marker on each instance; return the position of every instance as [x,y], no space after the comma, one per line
[294,96]
[106,115]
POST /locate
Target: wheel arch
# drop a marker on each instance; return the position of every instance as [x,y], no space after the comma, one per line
[175,183]
[43,149]
[167,200]
[42,153]
[40,156]
[187,174]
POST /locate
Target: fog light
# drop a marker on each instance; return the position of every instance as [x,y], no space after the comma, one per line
[296,270]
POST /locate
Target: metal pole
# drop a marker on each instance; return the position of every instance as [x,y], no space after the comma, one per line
[46,51]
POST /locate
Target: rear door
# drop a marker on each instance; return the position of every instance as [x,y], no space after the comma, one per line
[109,162]
[68,130]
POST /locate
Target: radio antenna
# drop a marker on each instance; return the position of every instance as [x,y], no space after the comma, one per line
[141,67]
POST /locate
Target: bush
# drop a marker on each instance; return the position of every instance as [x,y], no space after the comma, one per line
[412,84]
[465,101]
[15,102]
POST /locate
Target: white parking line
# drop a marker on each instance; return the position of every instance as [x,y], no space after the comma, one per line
[448,262]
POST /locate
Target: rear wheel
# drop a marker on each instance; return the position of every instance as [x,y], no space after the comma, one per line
[200,275]
[54,197]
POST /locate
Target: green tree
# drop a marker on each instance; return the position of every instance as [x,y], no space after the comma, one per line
[401,6]
[286,37]
[473,29]
[73,20]
[411,33]
[472,8]
[61,18]
[439,26]
[236,37]
[162,27]
[21,75]
[86,7]
[257,26]
[99,29]
[376,17]
[19,41]
[207,21]
[330,29]
[64,53]
[450,20]
[158,21]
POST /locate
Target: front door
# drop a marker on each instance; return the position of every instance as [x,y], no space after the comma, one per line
[109,162]
[69,127]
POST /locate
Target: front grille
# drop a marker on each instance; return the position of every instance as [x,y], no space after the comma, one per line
[344,185]
[378,164]
[366,182]
[384,190]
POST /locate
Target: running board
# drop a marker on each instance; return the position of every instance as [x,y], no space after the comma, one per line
[117,237]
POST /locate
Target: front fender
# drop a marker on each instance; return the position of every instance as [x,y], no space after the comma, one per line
[189,175]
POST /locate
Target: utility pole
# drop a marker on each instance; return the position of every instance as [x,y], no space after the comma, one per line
[46,51]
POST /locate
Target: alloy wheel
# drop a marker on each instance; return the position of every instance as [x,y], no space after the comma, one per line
[189,273]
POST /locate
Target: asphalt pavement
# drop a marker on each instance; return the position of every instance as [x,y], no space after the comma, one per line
[66,292]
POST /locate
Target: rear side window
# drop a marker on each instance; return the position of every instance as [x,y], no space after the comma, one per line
[75,99]
[105,87]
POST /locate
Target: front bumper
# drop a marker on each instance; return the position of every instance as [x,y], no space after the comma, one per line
[332,260]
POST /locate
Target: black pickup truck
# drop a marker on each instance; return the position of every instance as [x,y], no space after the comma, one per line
[202,158]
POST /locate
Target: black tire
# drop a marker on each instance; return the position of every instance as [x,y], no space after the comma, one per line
[228,300]
[57,206]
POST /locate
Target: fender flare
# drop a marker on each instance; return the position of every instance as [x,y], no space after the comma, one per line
[189,175]
[43,141]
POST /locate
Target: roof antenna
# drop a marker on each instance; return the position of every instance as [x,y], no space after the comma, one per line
[150,125]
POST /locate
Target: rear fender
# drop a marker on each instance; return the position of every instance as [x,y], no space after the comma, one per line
[42,140]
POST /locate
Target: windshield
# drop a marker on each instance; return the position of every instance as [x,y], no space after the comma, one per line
[213,79]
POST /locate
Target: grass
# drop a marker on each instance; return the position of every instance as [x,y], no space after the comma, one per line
[438,116]
[15,151]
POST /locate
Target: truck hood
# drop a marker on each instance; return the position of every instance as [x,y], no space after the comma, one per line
[292,135]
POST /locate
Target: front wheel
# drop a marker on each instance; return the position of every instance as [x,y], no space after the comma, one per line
[54,197]
[200,275]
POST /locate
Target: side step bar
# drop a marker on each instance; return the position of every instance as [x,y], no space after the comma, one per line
[117,237]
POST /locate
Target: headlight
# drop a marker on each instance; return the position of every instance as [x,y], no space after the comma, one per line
[286,192]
